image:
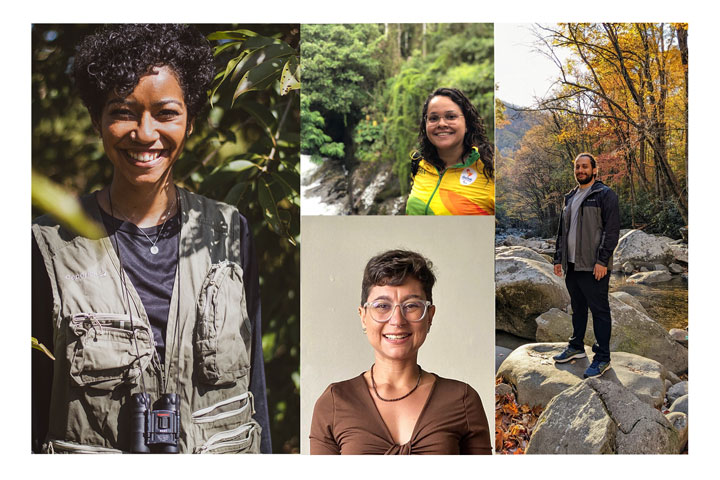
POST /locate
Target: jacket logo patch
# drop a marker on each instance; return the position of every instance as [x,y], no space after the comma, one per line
[85,275]
[468,176]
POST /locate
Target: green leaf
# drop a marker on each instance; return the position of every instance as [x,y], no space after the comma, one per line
[290,180]
[39,346]
[269,206]
[231,35]
[53,199]
[221,48]
[223,75]
[262,55]
[259,42]
[239,166]
[236,193]
[259,78]
[290,77]
[261,113]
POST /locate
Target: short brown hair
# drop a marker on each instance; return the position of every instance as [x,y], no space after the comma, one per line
[393,267]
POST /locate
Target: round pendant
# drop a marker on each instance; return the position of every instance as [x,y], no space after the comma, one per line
[153,250]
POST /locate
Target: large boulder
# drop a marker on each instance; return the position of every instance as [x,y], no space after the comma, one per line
[537,378]
[525,288]
[630,300]
[632,331]
[650,277]
[520,252]
[600,416]
[637,246]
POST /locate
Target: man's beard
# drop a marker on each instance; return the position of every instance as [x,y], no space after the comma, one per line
[586,180]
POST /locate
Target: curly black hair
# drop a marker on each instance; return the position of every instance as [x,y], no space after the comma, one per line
[393,268]
[474,135]
[115,58]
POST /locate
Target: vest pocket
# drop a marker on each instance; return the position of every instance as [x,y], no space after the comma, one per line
[104,351]
[221,338]
[228,426]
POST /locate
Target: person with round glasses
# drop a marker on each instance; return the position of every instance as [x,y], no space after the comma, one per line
[453,171]
[396,407]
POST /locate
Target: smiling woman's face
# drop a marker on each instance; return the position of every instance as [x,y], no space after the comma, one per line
[144,133]
[397,339]
[445,135]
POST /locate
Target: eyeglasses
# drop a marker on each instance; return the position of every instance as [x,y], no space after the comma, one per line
[450,117]
[412,311]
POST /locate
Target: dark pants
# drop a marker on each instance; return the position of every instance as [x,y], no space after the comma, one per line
[586,292]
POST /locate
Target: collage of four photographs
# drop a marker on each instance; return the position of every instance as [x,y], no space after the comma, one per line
[251,266]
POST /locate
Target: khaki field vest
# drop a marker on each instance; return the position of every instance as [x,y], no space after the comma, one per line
[98,362]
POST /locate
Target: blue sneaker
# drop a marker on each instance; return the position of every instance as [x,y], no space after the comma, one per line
[568,354]
[596,368]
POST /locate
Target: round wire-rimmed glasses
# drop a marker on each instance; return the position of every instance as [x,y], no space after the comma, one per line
[382,310]
[450,117]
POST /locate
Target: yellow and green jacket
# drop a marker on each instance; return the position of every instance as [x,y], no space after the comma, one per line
[461,189]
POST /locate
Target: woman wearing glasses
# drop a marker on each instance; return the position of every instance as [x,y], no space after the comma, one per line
[453,171]
[396,407]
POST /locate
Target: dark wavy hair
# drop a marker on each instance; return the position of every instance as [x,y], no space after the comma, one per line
[393,268]
[115,58]
[474,135]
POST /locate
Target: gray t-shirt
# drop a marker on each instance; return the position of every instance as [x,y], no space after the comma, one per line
[572,210]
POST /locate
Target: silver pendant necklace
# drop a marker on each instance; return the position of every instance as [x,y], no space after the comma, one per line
[153,247]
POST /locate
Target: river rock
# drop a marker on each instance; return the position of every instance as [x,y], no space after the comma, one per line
[628,267]
[637,245]
[676,391]
[680,421]
[680,405]
[644,269]
[599,416]
[668,384]
[537,378]
[659,267]
[519,252]
[503,389]
[679,335]
[650,277]
[525,288]
[675,268]
[630,300]
[632,331]
[501,353]
[679,252]
[672,377]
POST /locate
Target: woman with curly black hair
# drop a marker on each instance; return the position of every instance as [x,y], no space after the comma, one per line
[155,326]
[453,171]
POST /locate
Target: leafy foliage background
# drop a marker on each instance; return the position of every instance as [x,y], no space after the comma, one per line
[243,151]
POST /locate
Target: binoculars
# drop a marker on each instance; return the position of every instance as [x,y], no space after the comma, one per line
[156,429]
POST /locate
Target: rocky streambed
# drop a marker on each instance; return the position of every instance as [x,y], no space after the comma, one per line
[368,188]
[640,404]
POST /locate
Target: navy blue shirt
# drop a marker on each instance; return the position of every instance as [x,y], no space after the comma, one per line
[153,277]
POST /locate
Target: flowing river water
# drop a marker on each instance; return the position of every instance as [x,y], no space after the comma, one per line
[665,302]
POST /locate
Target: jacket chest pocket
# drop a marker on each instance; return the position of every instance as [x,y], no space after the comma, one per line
[222,335]
[104,350]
